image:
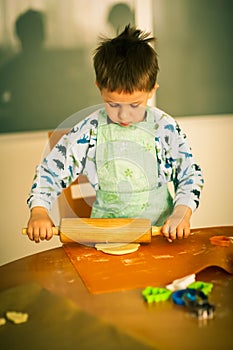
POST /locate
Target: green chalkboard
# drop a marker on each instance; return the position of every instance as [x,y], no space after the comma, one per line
[41,87]
[38,90]
[195,48]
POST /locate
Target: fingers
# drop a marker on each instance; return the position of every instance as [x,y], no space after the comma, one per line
[173,233]
[180,233]
[38,234]
[30,233]
[166,233]
[186,232]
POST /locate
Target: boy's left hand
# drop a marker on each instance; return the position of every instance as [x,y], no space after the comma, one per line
[178,223]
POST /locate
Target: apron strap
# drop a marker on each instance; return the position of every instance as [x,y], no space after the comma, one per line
[102,117]
[149,115]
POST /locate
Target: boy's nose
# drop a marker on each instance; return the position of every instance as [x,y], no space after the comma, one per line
[122,113]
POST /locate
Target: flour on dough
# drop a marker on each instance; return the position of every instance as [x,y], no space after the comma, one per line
[117,249]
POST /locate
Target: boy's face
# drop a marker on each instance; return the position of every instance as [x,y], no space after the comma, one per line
[124,108]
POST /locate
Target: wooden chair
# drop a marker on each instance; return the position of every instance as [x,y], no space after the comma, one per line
[77,199]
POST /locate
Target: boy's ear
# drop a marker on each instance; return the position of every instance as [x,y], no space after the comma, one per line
[97,84]
[153,90]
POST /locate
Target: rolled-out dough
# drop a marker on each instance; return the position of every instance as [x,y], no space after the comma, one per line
[117,249]
[17,317]
[2,321]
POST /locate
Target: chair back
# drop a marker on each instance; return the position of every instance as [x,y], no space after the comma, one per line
[77,199]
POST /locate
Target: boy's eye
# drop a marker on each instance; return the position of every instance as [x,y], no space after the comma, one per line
[114,105]
[118,105]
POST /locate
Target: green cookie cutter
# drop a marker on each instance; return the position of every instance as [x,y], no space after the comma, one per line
[155,294]
[205,287]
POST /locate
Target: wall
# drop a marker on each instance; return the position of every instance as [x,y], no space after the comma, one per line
[19,154]
[195,54]
[212,144]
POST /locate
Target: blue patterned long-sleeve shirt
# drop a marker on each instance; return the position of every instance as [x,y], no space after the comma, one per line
[75,154]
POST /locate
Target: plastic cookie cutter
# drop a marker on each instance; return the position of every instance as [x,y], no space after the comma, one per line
[222,241]
[205,287]
[155,294]
[196,301]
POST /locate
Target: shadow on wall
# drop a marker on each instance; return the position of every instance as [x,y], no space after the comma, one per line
[119,16]
[39,88]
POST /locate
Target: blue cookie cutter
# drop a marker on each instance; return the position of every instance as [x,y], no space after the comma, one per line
[196,301]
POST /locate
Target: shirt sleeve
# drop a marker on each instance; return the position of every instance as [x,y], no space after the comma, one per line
[62,166]
[179,166]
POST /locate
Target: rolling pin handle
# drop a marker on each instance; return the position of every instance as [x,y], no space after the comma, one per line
[55,230]
[156,231]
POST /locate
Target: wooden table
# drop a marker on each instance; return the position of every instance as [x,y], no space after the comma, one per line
[163,325]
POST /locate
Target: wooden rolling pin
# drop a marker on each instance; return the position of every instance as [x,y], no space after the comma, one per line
[117,230]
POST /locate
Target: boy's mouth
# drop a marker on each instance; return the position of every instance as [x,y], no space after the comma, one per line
[124,124]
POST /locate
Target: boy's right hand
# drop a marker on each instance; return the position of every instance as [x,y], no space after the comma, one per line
[39,225]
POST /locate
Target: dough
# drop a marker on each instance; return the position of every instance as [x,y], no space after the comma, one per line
[2,321]
[117,249]
[16,317]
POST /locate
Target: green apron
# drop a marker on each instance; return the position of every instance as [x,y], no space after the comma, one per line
[128,173]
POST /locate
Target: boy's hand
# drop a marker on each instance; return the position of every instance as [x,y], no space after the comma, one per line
[178,224]
[39,225]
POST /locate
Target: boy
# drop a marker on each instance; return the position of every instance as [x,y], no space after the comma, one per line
[128,151]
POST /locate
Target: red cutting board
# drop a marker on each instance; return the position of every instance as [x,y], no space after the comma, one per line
[157,263]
